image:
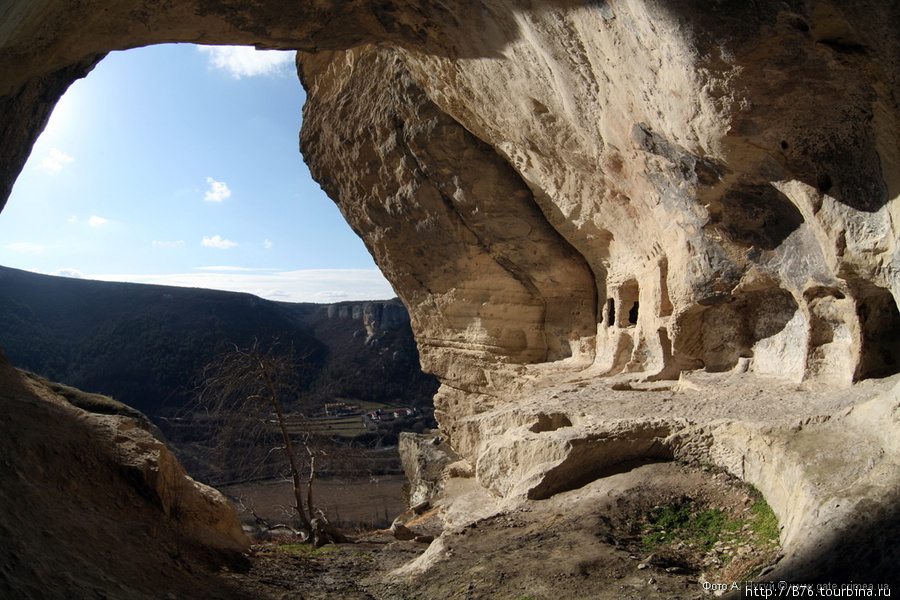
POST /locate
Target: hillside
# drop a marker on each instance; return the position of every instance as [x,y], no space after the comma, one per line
[143,344]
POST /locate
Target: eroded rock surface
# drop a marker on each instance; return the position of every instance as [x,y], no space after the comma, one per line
[567,191]
[425,458]
[93,505]
[825,459]
[716,193]
[643,187]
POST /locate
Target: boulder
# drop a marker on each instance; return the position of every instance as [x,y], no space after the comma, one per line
[424,458]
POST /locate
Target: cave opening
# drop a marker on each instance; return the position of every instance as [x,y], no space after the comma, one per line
[879,322]
[159,167]
[629,296]
[633,313]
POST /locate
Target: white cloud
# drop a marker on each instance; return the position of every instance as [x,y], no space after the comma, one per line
[279,295]
[55,161]
[218,242]
[217,192]
[25,248]
[72,273]
[167,244]
[331,296]
[93,220]
[227,268]
[314,285]
[267,244]
[245,61]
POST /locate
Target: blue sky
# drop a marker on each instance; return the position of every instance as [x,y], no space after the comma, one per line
[179,165]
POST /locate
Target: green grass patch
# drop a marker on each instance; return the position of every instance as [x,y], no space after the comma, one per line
[764,522]
[687,522]
[701,527]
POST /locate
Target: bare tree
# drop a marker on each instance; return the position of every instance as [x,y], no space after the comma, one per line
[244,393]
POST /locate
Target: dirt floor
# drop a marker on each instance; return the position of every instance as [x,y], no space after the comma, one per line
[607,540]
[369,502]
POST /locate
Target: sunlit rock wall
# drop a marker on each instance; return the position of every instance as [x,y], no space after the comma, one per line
[648,187]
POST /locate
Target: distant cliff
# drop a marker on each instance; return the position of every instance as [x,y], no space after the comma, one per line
[377,317]
[143,344]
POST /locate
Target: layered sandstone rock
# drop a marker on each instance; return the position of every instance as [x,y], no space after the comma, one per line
[690,190]
[643,187]
[826,459]
[566,191]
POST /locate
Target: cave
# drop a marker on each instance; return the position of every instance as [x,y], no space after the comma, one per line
[633,313]
[478,153]
[472,221]
[629,301]
[880,333]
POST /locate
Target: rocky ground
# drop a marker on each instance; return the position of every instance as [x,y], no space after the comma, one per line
[614,538]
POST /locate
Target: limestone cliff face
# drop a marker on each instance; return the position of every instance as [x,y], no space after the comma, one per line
[377,317]
[645,187]
[488,280]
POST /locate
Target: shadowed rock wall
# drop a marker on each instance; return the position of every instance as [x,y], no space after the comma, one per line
[94,505]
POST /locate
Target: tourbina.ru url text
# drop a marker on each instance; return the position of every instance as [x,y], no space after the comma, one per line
[784,589]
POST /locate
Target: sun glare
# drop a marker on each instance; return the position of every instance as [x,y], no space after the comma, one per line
[63,121]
